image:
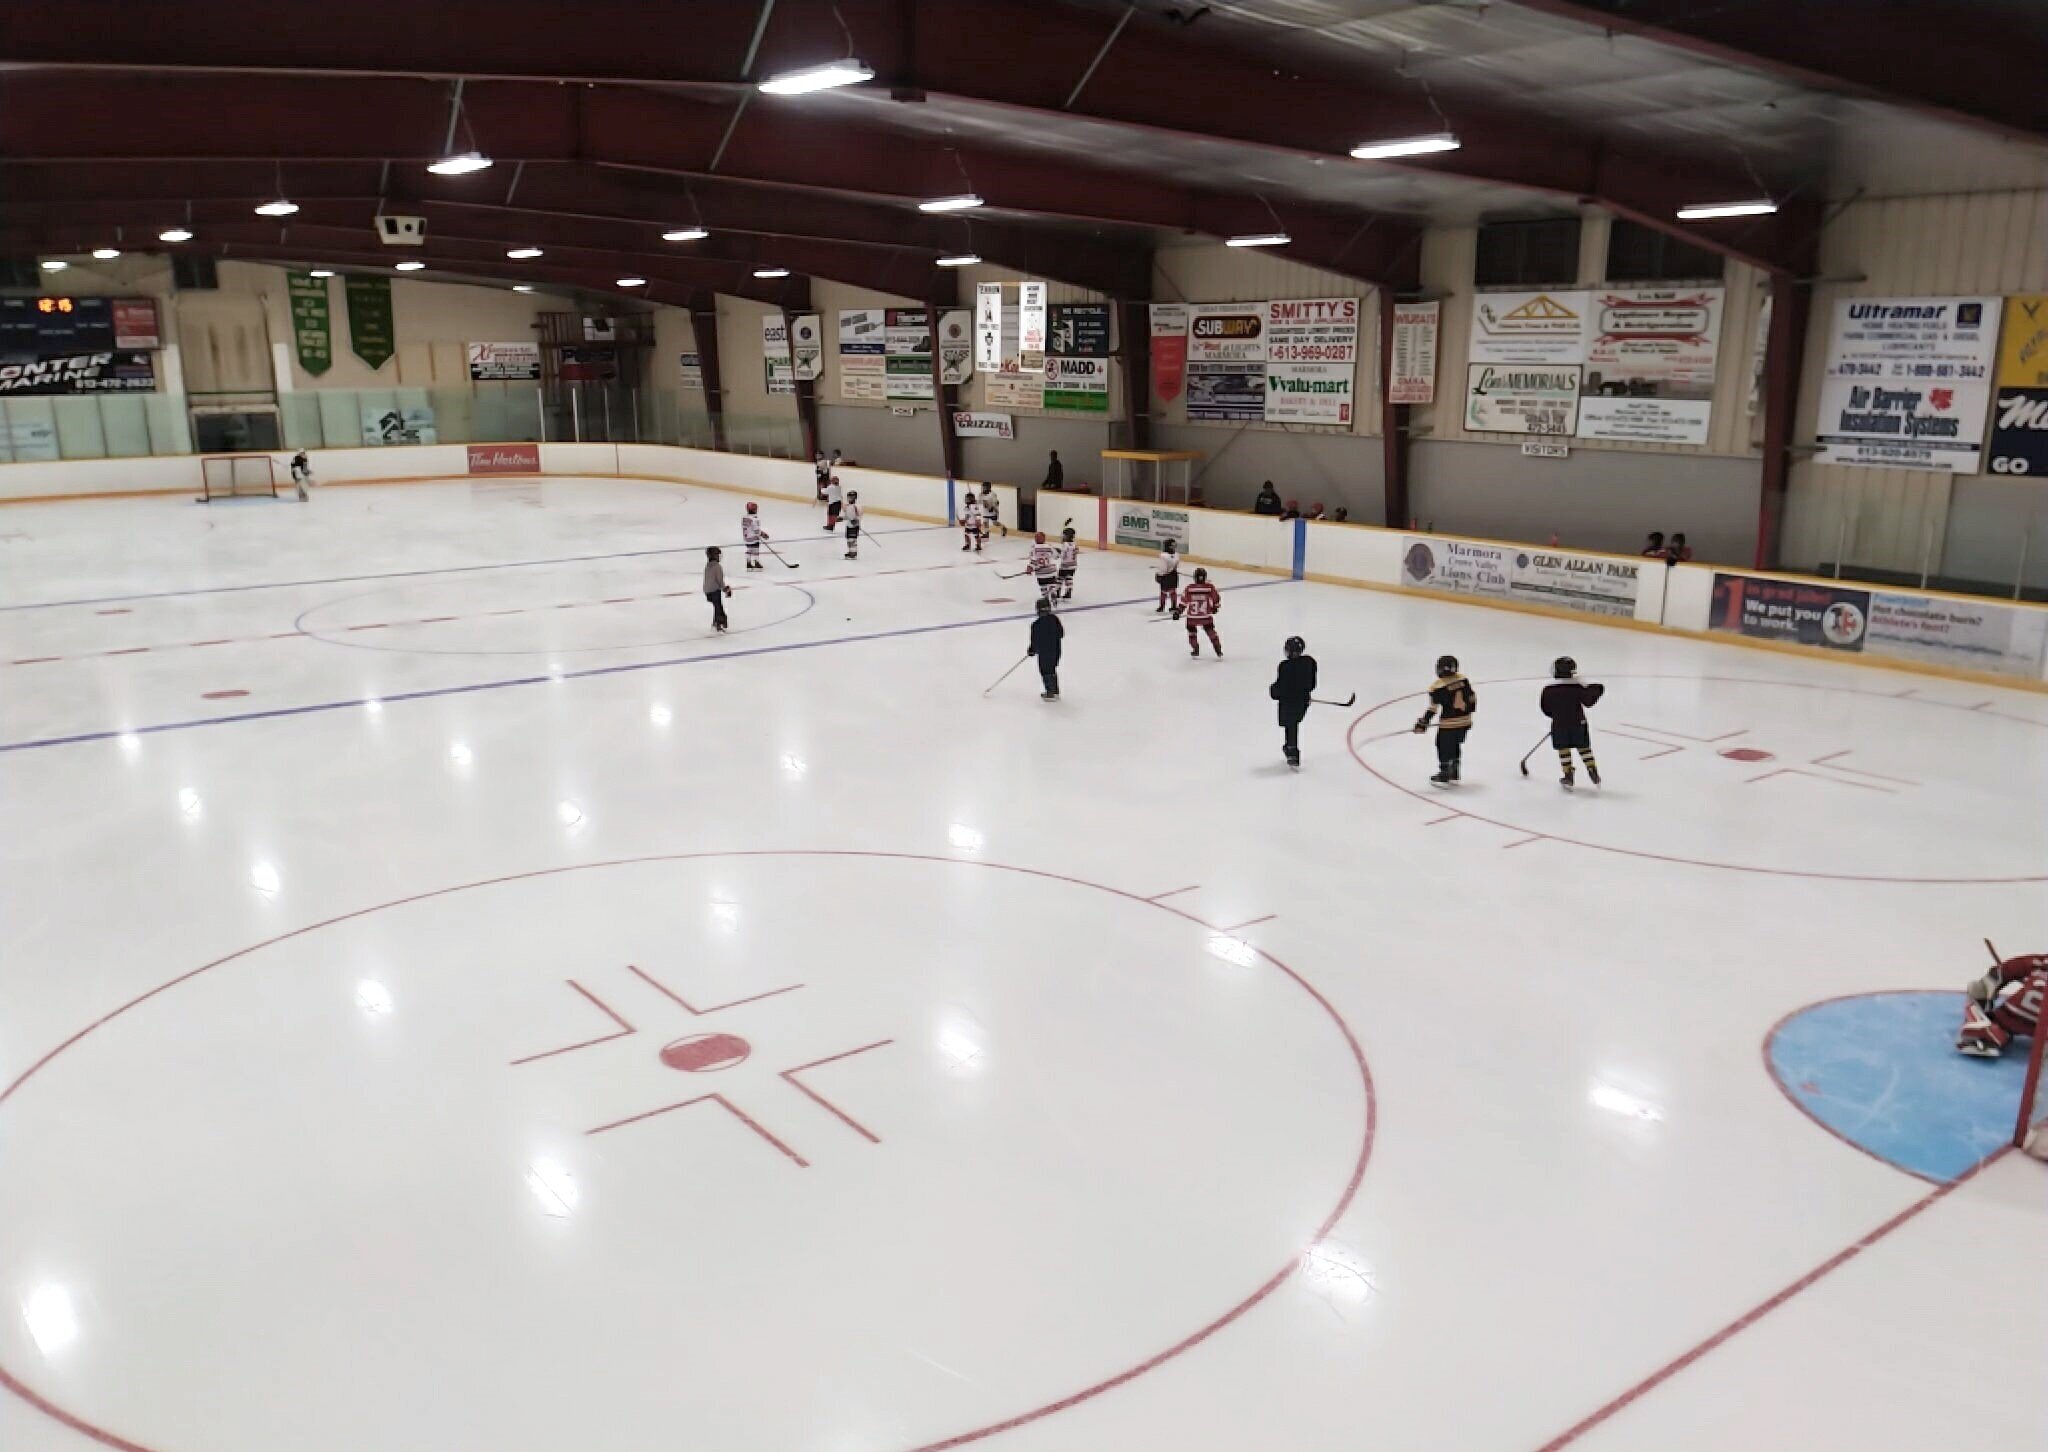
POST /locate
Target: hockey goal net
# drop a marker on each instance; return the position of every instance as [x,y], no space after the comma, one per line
[227,475]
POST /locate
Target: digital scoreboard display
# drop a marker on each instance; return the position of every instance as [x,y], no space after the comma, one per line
[48,326]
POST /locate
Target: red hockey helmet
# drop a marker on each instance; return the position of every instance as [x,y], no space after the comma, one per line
[1039,537]
[752,507]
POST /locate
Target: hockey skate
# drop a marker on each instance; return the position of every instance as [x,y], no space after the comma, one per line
[1565,781]
[1592,773]
[1443,778]
[1293,760]
[1048,695]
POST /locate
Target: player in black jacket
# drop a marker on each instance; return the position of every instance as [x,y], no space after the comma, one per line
[1047,636]
[1292,686]
[1452,696]
[1565,701]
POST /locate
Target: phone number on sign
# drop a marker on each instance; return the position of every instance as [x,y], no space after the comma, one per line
[1312,353]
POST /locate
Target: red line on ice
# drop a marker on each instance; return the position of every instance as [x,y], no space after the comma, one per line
[803,1088]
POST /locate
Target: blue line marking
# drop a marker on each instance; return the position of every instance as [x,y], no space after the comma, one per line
[1881,1071]
[1300,548]
[952,513]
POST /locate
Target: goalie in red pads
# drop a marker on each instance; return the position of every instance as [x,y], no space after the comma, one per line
[1565,701]
[2004,1004]
[1199,603]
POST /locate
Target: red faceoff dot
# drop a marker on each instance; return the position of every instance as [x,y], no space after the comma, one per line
[704,1053]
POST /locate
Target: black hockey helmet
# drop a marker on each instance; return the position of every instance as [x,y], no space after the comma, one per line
[1044,607]
[1295,645]
[1564,668]
[1067,533]
[1200,574]
[1446,665]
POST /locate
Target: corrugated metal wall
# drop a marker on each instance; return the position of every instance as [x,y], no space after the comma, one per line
[1894,519]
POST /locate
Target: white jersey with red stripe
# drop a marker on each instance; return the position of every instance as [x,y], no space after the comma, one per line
[1070,557]
[1041,559]
[750,529]
[2023,985]
[1200,602]
[970,512]
[1168,564]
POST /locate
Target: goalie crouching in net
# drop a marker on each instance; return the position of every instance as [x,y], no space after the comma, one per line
[2004,1004]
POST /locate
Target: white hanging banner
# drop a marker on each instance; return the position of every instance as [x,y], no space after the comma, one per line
[988,326]
[1031,326]
[956,345]
[1411,378]
[1528,327]
[807,346]
[1650,360]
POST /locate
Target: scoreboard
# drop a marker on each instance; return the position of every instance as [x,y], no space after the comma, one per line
[49,326]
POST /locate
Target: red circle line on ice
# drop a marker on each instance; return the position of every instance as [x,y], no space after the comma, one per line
[1446,801]
[1368,1128]
[706,1053]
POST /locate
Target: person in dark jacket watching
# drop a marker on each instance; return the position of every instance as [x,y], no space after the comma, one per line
[1292,686]
[1047,635]
[1268,501]
[1055,472]
[1653,547]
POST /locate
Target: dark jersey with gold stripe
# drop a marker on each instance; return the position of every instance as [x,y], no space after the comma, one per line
[1454,697]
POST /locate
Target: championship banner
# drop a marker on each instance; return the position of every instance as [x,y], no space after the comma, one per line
[988,326]
[1076,385]
[79,373]
[1528,327]
[370,331]
[503,362]
[1169,349]
[1529,399]
[399,425]
[1908,383]
[2019,406]
[1031,325]
[690,372]
[1079,330]
[807,346]
[1311,360]
[1227,362]
[1411,378]
[863,346]
[135,321]
[956,345]
[312,323]
[1590,584]
[907,355]
[1650,364]
[976,424]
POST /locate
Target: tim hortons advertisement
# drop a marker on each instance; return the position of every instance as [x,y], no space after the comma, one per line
[1311,360]
[1790,610]
[1528,327]
[79,373]
[1650,364]
[1908,383]
[504,458]
[1591,584]
[2019,405]
[1521,398]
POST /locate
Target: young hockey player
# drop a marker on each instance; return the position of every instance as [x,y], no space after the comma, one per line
[823,470]
[992,510]
[1070,561]
[970,525]
[2003,1005]
[715,588]
[1200,602]
[302,474]
[1047,636]
[1043,567]
[1452,696]
[751,534]
[835,501]
[1294,683]
[852,518]
[1166,570]
[1565,701]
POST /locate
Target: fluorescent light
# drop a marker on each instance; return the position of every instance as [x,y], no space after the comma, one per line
[685,234]
[771,272]
[521,254]
[321,272]
[1259,239]
[175,234]
[632,282]
[409,266]
[106,254]
[461,164]
[817,78]
[522,287]
[965,202]
[1708,211]
[1408,146]
[53,265]
[965,259]
[278,208]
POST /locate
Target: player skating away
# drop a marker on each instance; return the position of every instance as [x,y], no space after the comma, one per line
[970,525]
[851,516]
[1294,683]
[2004,1004]
[1565,701]
[1453,702]
[1043,565]
[1200,602]
[715,588]
[1047,637]
[835,501]
[751,534]
[1166,570]
[1070,562]
[823,470]
[302,473]
[992,510]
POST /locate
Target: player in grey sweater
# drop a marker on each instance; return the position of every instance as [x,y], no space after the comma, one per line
[715,588]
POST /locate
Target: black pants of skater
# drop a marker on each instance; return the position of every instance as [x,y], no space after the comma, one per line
[852,540]
[1050,675]
[1291,713]
[717,608]
[1450,747]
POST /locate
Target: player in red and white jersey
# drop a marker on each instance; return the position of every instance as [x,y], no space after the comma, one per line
[1199,602]
[1044,565]
[1166,571]
[1070,562]
[752,534]
[2005,1004]
[970,525]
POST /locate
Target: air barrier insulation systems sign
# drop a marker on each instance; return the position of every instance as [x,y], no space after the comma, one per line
[1908,383]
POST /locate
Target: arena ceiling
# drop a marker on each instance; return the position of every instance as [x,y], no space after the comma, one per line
[1094,130]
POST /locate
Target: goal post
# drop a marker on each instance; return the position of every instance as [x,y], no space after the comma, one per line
[227,476]
[2030,1129]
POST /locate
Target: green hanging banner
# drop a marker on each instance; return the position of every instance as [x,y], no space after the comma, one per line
[369,319]
[312,325]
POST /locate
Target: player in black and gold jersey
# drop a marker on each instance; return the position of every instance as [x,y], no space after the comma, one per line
[1452,701]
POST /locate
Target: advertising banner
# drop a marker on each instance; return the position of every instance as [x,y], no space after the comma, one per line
[1790,610]
[1528,327]
[504,458]
[1908,383]
[1524,399]
[863,345]
[988,326]
[2019,404]
[312,322]
[1012,388]
[1169,349]
[1227,392]
[399,425]
[1412,376]
[1079,330]
[1311,360]
[780,377]
[807,346]
[775,337]
[907,354]
[370,332]
[29,440]
[1591,584]
[1148,526]
[1227,332]
[956,346]
[136,325]
[588,362]
[975,424]
[1031,326]
[690,372]
[1076,385]
[79,373]
[1227,362]
[1650,361]
[1977,635]
[503,362]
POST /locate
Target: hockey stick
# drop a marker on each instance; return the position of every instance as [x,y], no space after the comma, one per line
[790,564]
[1350,700]
[1994,952]
[1532,751]
[1007,674]
[1018,576]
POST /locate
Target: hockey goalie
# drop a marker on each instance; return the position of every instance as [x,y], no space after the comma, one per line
[2004,1004]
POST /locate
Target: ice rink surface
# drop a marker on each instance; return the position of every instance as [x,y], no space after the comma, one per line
[449,998]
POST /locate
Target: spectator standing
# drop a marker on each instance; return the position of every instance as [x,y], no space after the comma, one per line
[1055,472]
[1268,502]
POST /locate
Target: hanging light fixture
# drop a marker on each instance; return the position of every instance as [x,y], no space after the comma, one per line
[826,77]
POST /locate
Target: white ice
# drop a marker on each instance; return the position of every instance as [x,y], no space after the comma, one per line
[615,1036]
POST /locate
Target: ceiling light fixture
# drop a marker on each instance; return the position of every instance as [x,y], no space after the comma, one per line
[522,254]
[408,266]
[685,234]
[817,78]
[51,264]
[1709,211]
[522,287]
[964,259]
[321,272]
[632,282]
[278,208]
[1406,146]
[460,164]
[965,202]
[771,272]
[1259,239]
[175,234]
[106,254]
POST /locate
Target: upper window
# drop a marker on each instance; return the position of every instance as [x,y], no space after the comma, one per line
[1636,253]
[1528,254]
